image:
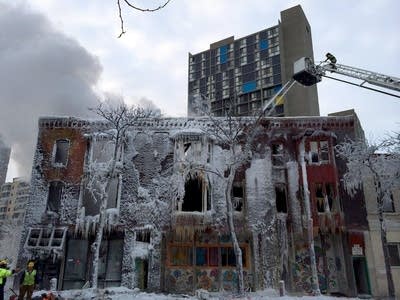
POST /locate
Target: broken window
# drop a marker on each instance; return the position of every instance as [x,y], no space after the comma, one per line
[277,155]
[61,152]
[197,196]
[324,196]
[91,199]
[54,196]
[103,150]
[280,193]
[237,196]
[49,238]
[319,151]
[388,203]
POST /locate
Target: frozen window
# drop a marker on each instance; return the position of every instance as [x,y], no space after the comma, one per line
[324,196]
[54,197]
[92,197]
[207,256]
[61,152]
[319,151]
[228,258]
[314,152]
[394,254]
[103,150]
[181,256]
[197,196]
[388,203]
[237,196]
[278,155]
[48,238]
[280,192]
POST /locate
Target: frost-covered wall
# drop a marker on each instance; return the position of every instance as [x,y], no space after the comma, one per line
[171,211]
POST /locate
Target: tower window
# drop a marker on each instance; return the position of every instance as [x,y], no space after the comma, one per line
[61,152]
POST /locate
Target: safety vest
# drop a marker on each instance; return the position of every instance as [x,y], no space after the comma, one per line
[29,278]
[3,274]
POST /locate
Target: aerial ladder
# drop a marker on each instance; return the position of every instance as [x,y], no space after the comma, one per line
[307,73]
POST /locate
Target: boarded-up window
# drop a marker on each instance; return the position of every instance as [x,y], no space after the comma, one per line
[110,263]
[61,152]
[75,264]
[54,196]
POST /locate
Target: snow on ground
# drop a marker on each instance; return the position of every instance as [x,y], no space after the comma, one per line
[121,293]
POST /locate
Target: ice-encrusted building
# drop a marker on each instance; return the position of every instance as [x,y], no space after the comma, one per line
[166,226]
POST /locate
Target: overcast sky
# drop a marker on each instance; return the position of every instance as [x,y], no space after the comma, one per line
[57,57]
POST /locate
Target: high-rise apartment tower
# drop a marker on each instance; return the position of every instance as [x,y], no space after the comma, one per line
[250,70]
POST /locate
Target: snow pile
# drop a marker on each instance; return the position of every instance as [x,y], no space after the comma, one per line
[121,293]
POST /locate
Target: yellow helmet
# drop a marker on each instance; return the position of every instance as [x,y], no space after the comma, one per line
[3,262]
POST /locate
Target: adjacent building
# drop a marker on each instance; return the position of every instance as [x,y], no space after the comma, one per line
[4,160]
[248,71]
[374,249]
[13,199]
[166,227]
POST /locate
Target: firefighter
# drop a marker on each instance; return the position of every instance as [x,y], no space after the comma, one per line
[4,273]
[29,280]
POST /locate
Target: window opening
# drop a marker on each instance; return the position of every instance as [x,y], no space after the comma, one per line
[319,194]
[61,153]
[143,236]
[91,199]
[102,150]
[319,151]
[324,195]
[54,196]
[237,196]
[277,155]
[314,152]
[193,200]
[388,203]
[186,148]
[280,192]
[394,254]
[181,256]
[329,194]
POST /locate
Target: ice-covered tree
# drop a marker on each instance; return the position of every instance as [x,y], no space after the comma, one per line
[236,135]
[381,163]
[118,119]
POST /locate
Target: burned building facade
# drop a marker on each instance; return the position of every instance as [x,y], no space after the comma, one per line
[166,215]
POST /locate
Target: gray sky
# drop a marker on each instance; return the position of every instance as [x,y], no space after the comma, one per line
[58,56]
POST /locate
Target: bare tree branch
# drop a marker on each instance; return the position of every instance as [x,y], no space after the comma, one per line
[136,8]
